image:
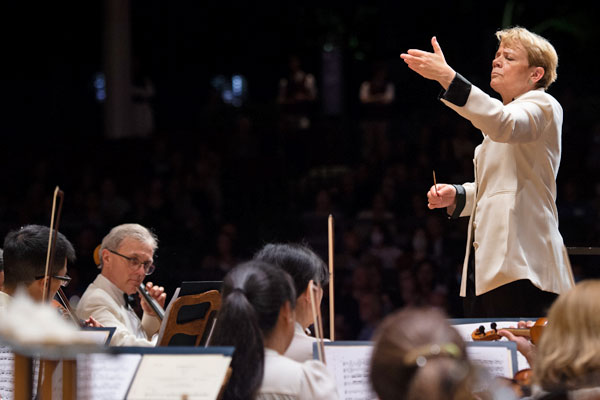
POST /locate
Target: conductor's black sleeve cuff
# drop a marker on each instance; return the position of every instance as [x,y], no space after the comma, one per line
[458,91]
[461,198]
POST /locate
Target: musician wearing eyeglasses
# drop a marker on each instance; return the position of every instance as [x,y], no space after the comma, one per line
[126,258]
[25,253]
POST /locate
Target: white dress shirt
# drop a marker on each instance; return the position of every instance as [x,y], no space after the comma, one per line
[286,379]
[104,301]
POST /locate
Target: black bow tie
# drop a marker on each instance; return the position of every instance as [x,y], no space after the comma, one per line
[129,300]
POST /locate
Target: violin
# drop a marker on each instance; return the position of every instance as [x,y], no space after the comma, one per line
[533,333]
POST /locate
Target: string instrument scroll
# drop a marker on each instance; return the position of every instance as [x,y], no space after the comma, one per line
[533,333]
[521,382]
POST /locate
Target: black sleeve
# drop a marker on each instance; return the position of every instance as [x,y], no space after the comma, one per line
[461,198]
[458,91]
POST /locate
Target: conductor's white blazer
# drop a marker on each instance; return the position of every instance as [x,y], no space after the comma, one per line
[513,224]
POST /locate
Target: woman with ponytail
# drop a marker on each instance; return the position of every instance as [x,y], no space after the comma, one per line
[257,317]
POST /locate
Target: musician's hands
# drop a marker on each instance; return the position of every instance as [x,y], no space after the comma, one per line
[524,345]
[158,293]
[430,65]
[92,323]
[444,197]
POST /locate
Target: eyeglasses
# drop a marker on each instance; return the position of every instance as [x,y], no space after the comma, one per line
[65,280]
[134,263]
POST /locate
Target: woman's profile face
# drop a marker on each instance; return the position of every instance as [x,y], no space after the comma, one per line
[511,72]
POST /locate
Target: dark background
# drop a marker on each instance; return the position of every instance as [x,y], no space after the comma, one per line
[52,128]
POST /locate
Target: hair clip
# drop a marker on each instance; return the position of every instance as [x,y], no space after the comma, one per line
[419,356]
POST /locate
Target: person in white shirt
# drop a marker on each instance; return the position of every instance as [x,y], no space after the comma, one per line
[257,317]
[304,266]
[126,258]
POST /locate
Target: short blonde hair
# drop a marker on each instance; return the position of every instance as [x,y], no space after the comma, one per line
[568,355]
[540,53]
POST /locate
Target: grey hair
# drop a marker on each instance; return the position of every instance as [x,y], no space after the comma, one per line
[119,233]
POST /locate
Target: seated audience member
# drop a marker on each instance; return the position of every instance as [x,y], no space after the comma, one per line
[257,317]
[418,355]
[24,259]
[126,257]
[304,266]
[566,362]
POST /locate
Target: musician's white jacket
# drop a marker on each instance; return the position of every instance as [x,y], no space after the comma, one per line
[286,379]
[513,222]
[104,301]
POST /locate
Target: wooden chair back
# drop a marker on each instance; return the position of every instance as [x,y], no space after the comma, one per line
[195,327]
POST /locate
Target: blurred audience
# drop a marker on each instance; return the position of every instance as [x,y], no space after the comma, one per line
[217,195]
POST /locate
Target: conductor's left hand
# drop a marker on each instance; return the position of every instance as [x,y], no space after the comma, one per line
[430,65]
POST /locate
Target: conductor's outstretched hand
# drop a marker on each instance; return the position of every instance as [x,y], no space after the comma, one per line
[430,65]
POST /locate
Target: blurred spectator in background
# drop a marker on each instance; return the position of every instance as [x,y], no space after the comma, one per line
[376,96]
[297,95]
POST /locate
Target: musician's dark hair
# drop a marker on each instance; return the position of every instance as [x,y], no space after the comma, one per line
[417,354]
[253,294]
[299,261]
[25,252]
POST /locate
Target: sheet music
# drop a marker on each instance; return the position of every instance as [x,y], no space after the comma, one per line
[104,376]
[163,324]
[7,371]
[350,367]
[167,376]
[465,331]
[496,360]
[7,361]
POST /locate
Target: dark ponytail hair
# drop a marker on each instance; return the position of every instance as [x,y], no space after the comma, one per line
[253,294]
[297,260]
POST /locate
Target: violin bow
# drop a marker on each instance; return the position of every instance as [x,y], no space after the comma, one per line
[52,240]
[53,235]
[331,304]
[58,194]
[318,321]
